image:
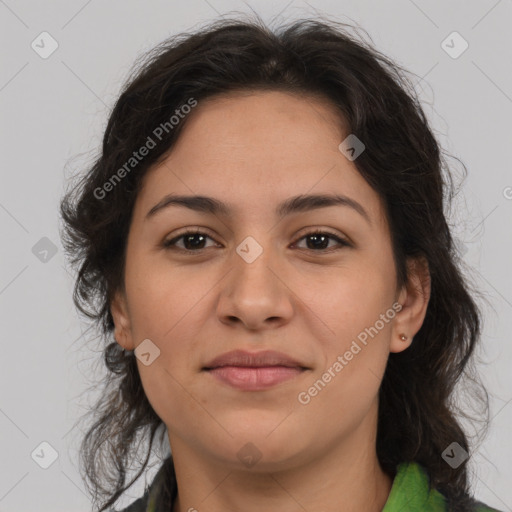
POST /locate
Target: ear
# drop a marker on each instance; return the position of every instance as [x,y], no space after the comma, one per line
[414,297]
[121,317]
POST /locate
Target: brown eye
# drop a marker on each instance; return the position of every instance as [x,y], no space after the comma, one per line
[193,241]
[318,241]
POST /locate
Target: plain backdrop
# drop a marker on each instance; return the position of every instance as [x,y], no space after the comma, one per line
[53,113]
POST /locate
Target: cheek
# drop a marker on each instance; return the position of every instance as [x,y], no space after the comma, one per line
[162,296]
[353,299]
[355,356]
[357,307]
[167,306]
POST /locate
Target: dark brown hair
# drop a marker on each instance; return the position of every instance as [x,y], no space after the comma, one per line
[402,161]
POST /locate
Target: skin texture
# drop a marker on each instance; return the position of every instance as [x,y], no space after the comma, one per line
[253,151]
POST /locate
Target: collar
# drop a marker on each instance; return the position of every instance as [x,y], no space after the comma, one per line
[411,491]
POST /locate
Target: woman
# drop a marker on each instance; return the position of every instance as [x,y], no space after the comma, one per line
[263,243]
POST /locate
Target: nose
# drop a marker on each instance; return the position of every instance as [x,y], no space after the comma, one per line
[255,293]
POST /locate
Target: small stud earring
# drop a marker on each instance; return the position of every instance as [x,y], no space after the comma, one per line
[403,337]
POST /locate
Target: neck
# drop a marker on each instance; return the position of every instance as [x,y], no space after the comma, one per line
[347,477]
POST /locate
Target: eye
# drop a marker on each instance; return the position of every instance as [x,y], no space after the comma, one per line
[193,241]
[320,238]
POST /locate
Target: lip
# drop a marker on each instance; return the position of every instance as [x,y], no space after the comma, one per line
[254,371]
[253,359]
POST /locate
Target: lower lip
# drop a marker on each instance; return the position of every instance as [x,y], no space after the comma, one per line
[254,379]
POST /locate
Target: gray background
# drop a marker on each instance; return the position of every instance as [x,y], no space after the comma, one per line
[53,114]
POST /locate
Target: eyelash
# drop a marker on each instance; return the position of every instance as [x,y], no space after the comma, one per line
[171,244]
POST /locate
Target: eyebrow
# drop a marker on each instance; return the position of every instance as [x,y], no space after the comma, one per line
[296,204]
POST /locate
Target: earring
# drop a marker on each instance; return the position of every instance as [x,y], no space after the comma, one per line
[403,337]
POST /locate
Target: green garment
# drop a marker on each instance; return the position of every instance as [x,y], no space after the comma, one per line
[409,493]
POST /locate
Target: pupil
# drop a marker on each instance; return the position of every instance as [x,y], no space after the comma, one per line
[317,237]
[189,237]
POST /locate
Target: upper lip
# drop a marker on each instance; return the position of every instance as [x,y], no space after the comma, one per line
[253,359]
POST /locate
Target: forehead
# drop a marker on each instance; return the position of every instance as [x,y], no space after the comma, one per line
[237,116]
[252,149]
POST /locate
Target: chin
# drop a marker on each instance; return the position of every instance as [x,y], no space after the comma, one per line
[262,447]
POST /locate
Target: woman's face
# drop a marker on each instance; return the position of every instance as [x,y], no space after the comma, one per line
[253,280]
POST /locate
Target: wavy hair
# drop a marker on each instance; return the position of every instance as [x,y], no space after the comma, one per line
[403,162]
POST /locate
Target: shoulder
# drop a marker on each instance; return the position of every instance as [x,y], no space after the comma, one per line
[160,494]
[411,489]
[139,505]
[482,507]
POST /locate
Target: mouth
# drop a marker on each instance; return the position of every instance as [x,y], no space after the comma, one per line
[254,371]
